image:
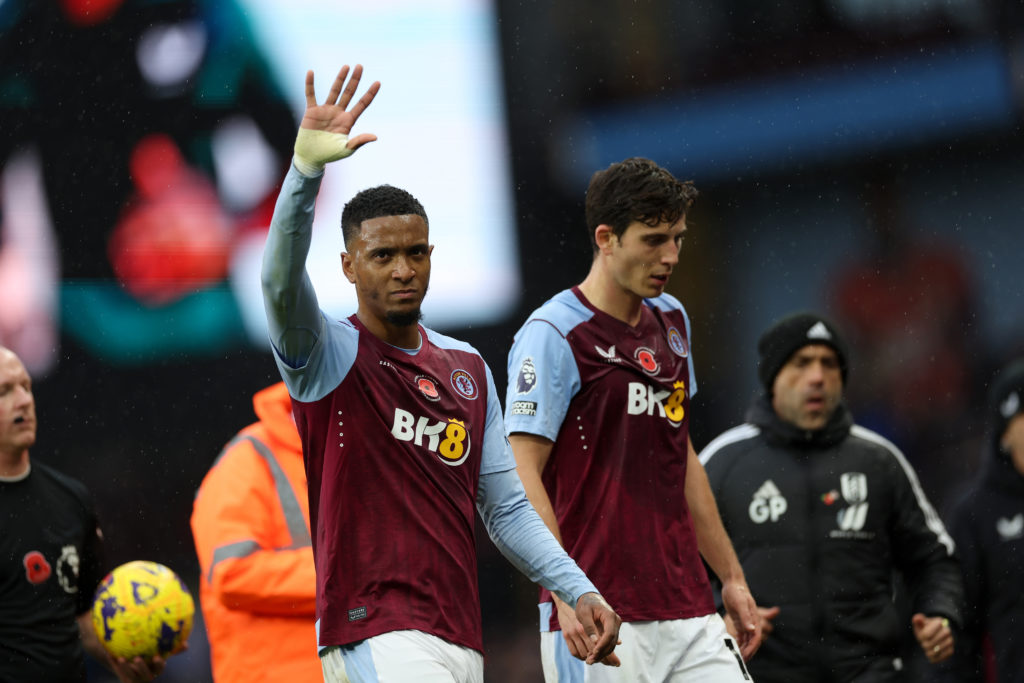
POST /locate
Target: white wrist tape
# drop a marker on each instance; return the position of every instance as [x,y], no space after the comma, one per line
[316,148]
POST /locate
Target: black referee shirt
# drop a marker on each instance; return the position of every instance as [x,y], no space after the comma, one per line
[50,565]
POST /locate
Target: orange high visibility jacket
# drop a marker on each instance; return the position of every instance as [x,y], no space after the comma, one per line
[250,522]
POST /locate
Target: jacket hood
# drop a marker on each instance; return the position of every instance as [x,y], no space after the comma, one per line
[779,432]
[273,407]
[999,472]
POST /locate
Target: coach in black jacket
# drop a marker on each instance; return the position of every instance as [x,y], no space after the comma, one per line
[988,525]
[822,512]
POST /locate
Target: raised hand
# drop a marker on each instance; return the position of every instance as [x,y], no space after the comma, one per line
[333,115]
[324,133]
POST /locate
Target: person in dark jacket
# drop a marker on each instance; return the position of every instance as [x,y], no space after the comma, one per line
[823,514]
[51,556]
[988,526]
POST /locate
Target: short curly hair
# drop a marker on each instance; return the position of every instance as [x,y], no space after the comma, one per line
[636,189]
[374,202]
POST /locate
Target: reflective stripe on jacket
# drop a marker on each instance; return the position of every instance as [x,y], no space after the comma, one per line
[250,522]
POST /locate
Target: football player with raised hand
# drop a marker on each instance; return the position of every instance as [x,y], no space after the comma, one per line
[401,434]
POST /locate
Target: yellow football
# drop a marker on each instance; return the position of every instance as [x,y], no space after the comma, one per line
[143,609]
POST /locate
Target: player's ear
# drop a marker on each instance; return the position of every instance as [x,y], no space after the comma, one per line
[346,267]
[605,238]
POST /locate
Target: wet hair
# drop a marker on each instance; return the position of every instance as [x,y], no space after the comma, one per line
[374,202]
[636,189]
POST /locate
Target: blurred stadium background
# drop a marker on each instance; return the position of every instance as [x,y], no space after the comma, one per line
[858,157]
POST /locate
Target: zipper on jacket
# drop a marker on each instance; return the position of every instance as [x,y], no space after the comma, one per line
[813,561]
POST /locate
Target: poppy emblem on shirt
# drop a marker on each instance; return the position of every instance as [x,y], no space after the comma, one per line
[464,384]
[37,569]
[677,343]
[648,363]
[427,387]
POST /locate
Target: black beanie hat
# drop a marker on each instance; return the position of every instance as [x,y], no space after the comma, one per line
[791,333]
[1006,399]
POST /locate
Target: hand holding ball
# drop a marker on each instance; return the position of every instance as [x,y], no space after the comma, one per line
[142,609]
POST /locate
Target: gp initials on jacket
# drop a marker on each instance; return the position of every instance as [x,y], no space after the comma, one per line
[763,509]
[645,399]
[448,439]
[767,503]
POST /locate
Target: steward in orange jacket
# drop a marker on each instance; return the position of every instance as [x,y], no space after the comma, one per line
[250,522]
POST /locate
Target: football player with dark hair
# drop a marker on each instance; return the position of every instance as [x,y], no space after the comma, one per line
[598,412]
[401,434]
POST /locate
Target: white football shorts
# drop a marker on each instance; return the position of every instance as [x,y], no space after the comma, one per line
[401,656]
[673,651]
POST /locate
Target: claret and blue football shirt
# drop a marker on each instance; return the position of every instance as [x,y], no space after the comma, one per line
[615,400]
[400,447]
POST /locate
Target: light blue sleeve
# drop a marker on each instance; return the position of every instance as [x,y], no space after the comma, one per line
[329,361]
[293,314]
[312,353]
[689,355]
[542,379]
[521,536]
[497,453]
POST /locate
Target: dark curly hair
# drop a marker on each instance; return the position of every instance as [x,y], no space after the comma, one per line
[636,189]
[374,202]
